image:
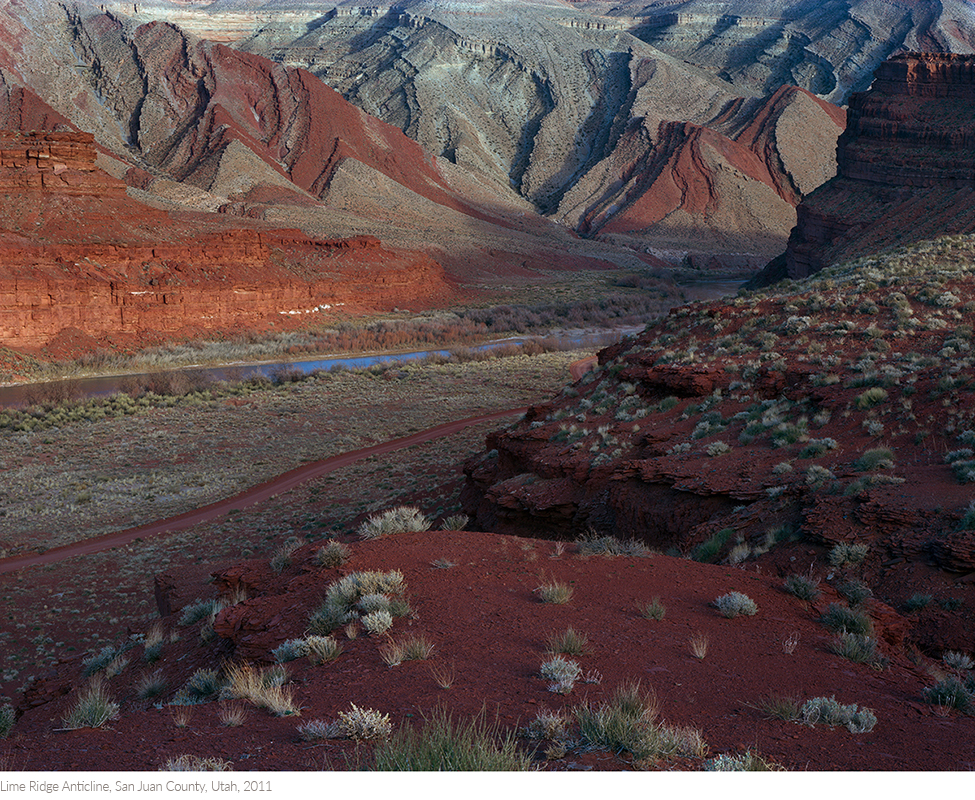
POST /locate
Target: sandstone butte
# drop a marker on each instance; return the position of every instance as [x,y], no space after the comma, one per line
[79,255]
[905,165]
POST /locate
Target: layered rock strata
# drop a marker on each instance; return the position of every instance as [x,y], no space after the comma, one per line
[905,165]
[53,162]
[77,253]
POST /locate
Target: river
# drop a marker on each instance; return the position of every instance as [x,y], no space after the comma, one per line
[21,394]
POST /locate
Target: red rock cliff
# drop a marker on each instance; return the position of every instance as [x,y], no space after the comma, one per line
[76,252]
[905,165]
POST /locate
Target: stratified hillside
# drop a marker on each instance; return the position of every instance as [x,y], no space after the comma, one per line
[196,125]
[592,126]
[830,48]
[776,427]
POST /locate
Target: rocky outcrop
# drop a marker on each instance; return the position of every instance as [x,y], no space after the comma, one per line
[53,163]
[235,281]
[733,431]
[905,165]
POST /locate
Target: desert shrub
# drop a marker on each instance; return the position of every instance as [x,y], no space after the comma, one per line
[343,596]
[412,648]
[858,648]
[740,762]
[317,729]
[875,458]
[402,519]
[871,398]
[7,718]
[854,591]
[457,522]
[152,685]
[956,660]
[547,725]
[290,650]
[828,711]
[667,403]
[282,557]
[377,622]
[699,644]
[785,708]
[707,552]
[322,649]
[202,686]
[361,724]
[628,723]
[952,693]
[654,610]
[802,587]
[332,555]
[262,687]
[92,709]
[369,603]
[736,604]
[99,661]
[232,716]
[199,610]
[153,651]
[554,592]
[841,619]
[844,554]
[325,619]
[968,520]
[441,745]
[562,672]
[789,433]
[816,476]
[717,449]
[816,447]
[916,602]
[190,763]
[569,642]
[593,545]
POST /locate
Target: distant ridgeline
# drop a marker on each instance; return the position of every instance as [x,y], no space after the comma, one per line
[905,166]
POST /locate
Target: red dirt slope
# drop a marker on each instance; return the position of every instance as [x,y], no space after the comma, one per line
[490,633]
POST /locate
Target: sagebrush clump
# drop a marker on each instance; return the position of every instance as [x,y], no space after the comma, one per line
[403,519]
[736,604]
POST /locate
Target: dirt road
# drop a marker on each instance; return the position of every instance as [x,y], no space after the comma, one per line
[256,494]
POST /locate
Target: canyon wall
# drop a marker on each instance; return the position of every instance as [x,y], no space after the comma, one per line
[905,165]
[77,253]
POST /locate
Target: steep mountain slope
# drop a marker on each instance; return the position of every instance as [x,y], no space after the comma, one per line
[830,48]
[550,105]
[191,125]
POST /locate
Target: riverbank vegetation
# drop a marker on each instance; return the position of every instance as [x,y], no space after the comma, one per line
[436,329]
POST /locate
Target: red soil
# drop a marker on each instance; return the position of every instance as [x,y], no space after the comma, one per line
[490,631]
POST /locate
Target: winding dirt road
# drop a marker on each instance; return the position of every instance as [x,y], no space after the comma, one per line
[263,491]
[256,494]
